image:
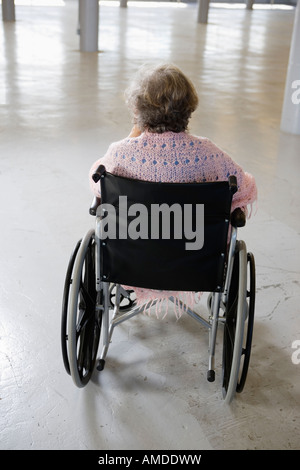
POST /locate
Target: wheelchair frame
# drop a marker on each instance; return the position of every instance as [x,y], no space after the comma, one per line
[87,303]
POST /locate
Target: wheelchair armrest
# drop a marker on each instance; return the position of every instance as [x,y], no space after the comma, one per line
[238,218]
[96,202]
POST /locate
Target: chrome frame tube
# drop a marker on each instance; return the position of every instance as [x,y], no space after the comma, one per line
[98,252]
[214,328]
[230,260]
[105,318]
[190,312]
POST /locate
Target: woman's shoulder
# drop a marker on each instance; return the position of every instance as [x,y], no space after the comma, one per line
[119,144]
[211,147]
[205,141]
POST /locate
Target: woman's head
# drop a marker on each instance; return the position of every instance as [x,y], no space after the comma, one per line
[162,99]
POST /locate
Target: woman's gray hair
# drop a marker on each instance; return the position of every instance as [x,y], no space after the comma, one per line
[161,99]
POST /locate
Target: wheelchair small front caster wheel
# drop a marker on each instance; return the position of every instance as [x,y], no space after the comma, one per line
[101,364]
[126,298]
[211,375]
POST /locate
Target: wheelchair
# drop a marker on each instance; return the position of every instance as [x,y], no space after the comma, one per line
[95,300]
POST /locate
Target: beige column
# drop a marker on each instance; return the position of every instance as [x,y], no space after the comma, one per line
[290,118]
[88,25]
[8,10]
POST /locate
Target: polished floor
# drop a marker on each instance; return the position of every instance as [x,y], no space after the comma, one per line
[59,111]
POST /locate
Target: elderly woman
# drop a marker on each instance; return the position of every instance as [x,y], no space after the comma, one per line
[159,147]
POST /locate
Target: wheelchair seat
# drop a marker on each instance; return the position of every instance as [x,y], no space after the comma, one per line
[162,236]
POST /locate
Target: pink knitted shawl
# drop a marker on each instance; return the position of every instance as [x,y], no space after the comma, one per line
[174,157]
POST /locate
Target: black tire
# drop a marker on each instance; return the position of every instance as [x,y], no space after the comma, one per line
[65,303]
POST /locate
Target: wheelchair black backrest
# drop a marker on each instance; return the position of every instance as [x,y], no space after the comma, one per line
[152,233]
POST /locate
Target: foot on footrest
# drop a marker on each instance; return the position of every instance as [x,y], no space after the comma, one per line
[211,375]
[101,364]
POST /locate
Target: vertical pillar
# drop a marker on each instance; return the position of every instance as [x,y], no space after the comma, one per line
[8,10]
[123,3]
[290,118]
[88,25]
[249,4]
[203,7]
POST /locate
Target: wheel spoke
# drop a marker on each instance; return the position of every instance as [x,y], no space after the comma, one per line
[87,295]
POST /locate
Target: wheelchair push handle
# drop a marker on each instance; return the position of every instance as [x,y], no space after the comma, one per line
[232,184]
[238,218]
[95,203]
[97,200]
[98,173]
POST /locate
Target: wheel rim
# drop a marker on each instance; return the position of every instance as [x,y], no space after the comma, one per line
[251,308]
[234,323]
[85,319]
[230,324]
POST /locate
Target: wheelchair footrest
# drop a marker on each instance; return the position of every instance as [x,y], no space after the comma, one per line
[211,375]
[101,364]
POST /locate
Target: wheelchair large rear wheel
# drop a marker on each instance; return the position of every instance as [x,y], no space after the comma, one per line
[236,317]
[84,318]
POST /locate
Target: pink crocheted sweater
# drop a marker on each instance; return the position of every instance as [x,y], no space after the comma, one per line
[174,157]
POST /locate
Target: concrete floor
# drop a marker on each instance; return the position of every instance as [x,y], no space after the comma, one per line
[60,109]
